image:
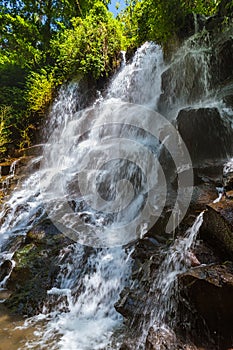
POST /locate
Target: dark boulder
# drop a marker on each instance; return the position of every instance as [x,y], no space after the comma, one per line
[204,142]
[36,269]
[164,339]
[179,85]
[5,269]
[228,175]
[130,54]
[224,54]
[209,290]
[217,227]
[5,168]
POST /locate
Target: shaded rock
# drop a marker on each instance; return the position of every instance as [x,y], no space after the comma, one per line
[211,23]
[209,289]
[224,60]
[5,168]
[225,9]
[228,175]
[217,227]
[129,54]
[203,194]
[5,269]
[37,266]
[203,142]
[205,254]
[177,86]
[127,305]
[164,339]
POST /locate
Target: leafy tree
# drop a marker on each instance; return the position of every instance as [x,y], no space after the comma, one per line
[42,44]
[158,20]
[4,128]
[91,46]
[205,7]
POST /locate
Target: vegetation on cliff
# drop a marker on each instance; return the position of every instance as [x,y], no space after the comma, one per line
[43,44]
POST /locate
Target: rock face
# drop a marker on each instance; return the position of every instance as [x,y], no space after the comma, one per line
[209,289]
[205,143]
[228,175]
[36,268]
[217,228]
[181,84]
[224,61]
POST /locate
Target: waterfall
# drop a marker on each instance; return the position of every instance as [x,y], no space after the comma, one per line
[89,283]
[101,184]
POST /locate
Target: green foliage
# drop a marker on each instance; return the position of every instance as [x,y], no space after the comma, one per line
[40,86]
[91,46]
[45,43]
[204,7]
[158,20]
[42,44]
[19,41]
[5,112]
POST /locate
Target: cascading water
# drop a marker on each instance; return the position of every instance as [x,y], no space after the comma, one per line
[88,290]
[90,281]
[162,303]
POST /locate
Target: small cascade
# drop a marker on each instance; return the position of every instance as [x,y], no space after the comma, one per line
[162,296]
[140,81]
[196,26]
[186,81]
[7,175]
[85,318]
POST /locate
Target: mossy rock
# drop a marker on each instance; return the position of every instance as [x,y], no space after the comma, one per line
[36,268]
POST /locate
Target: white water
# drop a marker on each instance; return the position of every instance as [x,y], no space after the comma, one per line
[85,291]
[90,292]
[84,317]
[162,296]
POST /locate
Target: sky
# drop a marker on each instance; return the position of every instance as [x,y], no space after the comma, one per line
[112,6]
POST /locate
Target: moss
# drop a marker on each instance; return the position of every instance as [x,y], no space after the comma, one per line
[24,255]
[36,269]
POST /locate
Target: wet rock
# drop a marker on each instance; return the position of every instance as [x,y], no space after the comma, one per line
[224,61]
[209,289]
[128,303]
[33,151]
[130,53]
[205,254]
[163,339]
[192,23]
[228,175]
[36,268]
[179,84]
[229,195]
[5,269]
[5,168]
[217,227]
[13,243]
[204,143]
[228,100]
[203,194]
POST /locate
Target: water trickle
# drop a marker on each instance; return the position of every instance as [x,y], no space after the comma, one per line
[162,301]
